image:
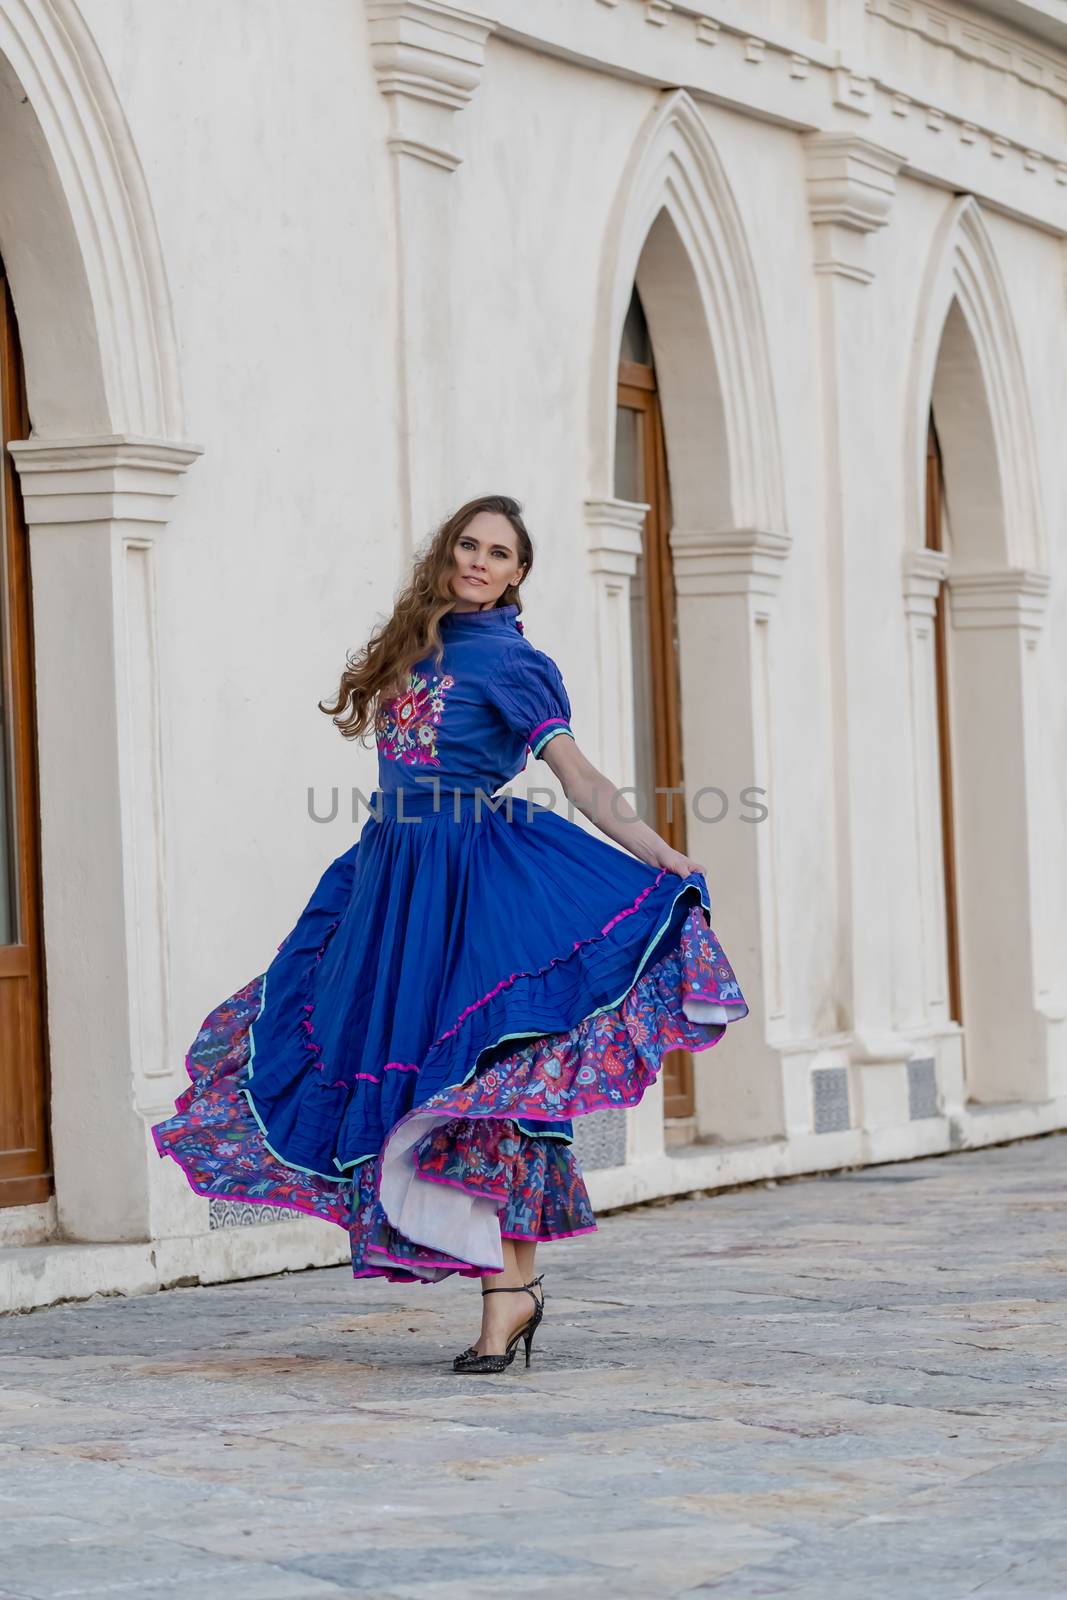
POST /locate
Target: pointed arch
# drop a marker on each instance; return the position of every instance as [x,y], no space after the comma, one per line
[79,237]
[675,168]
[966,356]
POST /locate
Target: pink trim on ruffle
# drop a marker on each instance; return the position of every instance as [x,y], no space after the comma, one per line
[555,962]
[546,1238]
[401,1066]
[548,722]
[449,1266]
[451,1183]
[243,1199]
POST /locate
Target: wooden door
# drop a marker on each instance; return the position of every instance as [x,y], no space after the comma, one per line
[935,540]
[641,475]
[25,1169]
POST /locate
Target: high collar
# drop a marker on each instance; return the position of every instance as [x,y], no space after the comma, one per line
[491,617]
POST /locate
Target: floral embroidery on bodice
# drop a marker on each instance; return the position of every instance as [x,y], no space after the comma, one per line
[406,728]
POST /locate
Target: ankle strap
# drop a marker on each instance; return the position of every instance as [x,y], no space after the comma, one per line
[516,1288]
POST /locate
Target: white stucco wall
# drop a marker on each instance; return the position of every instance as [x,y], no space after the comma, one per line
[262,136]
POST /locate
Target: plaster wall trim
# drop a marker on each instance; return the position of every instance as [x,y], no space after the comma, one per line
[851,186]
[729,561]
[615,530]
[108,242]
[674,167]
[962,267]
[100,480]
[970,38]
[428,59]
[794,79]
[1014,598]
[924,571]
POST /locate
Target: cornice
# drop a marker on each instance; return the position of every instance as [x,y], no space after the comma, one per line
[729,560]
[428,59]
[851,184]
[1015,597]
[615,532]
[118,478]
[720,53]
[924,572]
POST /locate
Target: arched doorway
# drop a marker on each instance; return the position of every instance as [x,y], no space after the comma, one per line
[976,560]
[676,232]
[98,477]
[25,1162]
[641,476]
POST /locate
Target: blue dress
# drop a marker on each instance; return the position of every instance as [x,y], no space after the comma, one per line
[474,972]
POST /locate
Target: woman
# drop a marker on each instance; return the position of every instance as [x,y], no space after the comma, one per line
[466,978]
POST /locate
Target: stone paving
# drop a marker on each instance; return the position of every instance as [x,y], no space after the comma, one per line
[846,1386]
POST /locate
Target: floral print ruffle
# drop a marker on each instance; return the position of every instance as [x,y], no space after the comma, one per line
[476,1144]
[215,1138]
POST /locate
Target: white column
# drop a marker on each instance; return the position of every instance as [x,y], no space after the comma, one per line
[614,530]
[727,584]
[94,508]
[1015,1044]
[851,183]
[925,984]
[428,58]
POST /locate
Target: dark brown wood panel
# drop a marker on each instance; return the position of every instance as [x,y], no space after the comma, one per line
[25,1169]
[935,492]
[637,394]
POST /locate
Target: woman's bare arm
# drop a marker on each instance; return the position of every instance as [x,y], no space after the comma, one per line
[597,798]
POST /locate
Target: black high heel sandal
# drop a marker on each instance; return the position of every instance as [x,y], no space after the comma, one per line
[470,1361]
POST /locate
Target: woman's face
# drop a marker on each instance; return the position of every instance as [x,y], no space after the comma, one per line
[486,561]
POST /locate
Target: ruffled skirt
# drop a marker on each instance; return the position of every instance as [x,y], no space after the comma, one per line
[409,1065]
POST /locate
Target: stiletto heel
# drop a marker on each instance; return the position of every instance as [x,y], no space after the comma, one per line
[470,1361]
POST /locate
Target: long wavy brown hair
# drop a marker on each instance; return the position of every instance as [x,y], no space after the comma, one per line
[378,672]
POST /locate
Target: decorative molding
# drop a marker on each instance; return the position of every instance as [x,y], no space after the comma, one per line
[963,268]
[100,259]
[615,530]
[851,185]
[924,572]
[1014,598]
[100,480]
[973,41]
[675,169]
[852,91]
[849,78]
[428,59]
[729,561]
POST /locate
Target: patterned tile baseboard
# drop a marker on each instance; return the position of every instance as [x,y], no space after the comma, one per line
[922,1089]
[240,1214]
[600,1139]
[829,1089]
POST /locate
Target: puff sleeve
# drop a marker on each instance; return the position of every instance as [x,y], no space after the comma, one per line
[527,689]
